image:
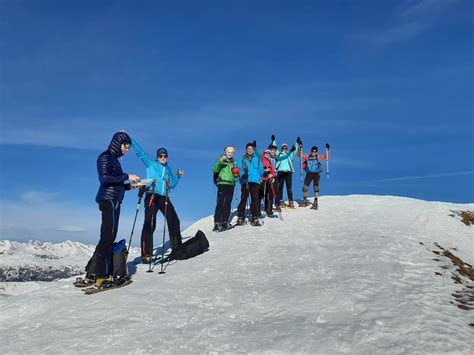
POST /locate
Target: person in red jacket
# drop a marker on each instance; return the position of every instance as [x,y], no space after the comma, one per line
[267,180]
[313,168]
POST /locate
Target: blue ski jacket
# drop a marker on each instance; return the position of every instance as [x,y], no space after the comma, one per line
[251,169]
[156,171]
[109,170]
[287,163]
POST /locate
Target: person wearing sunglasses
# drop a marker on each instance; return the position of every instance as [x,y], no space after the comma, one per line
[225,176]
[157,199]
[109,198]
[268,180]
[285,169]
[251,172]
[313,168]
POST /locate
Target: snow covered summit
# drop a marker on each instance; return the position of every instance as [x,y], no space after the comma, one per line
[358,276]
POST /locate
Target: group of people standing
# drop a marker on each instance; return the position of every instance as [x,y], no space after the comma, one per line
[263,175]
[111,193]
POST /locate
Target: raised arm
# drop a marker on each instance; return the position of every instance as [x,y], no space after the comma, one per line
[325,156]
[141,153]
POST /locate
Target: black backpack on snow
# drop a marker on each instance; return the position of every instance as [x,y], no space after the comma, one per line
[119,261]
[191,248]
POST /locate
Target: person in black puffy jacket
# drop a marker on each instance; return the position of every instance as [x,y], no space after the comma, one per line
[109,197]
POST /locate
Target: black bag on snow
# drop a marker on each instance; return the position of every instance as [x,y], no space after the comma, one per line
[191,248]
[119,261]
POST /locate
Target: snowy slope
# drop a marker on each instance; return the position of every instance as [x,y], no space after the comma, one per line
[357,276]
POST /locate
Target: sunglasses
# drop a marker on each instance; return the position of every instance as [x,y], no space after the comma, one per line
[314,151]
[284,148]
[127,145]
[163,156]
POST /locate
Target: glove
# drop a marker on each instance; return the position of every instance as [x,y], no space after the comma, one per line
[273,137]
[254,143]
[235,171]
[180,172]
[293,149]
[216,176]
[327,146]
[298,140]
[141,190]
[223,159]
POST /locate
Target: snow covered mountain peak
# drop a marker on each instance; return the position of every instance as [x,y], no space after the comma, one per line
[357,276]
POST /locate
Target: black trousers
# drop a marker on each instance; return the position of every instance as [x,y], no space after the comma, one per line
[159,203]
[251,189]
[311,177]
[108,232]
[267,195]
[285,177]
[224,203]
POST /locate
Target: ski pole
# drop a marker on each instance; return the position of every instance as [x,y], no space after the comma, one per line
[164,226]
[141,192]
[264,198]
[274,194]
[327,162]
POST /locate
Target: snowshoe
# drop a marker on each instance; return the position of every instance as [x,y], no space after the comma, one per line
[83,282]
[277,209]
[305,203]
[240,221]
[217,227]
[147,259]
[283,204]
[108,284]
[225,226]
[291,205]
[255,222]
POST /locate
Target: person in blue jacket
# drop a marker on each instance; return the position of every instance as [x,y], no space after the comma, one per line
[285,171]
[109,197]
[157,198]
[251,172]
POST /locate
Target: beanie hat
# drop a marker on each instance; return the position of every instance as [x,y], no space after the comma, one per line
[267,151]
[284,145]
[272,146]
[314,148]
[249,145]
[161,151]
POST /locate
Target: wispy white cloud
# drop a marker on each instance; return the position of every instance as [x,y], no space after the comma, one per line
[72,229]
[427,176]
[37,196]
[412,19]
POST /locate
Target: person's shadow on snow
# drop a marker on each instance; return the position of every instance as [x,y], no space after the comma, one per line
[132,265]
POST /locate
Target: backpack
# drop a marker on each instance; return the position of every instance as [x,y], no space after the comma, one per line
[119,261]
[191,248]
[309,166]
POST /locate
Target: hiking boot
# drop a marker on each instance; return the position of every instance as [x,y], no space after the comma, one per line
[217,227]
[291,204]
[103,281]
[240,221]
[283,204]
[147,259]
[314,206]
[225,226]
[255,222]
[305,202]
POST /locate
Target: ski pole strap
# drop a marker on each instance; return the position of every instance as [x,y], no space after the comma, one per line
[153,187]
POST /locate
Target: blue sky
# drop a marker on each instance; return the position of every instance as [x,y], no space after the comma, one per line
[388,83]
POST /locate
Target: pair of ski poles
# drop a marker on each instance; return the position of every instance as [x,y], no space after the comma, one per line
[141,192]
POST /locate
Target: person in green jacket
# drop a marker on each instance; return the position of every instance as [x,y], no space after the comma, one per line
[225,176]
